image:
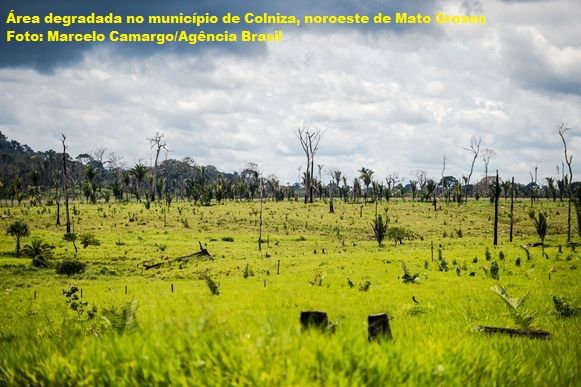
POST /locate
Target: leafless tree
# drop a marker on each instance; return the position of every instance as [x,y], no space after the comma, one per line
[568,179]
[474,148]
[65,187]
[158,143]
[487,155]
[309,139]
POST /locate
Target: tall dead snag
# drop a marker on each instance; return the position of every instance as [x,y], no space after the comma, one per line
[473,148]
[261,192]
[309,140]
[496,196]
[65,188]
[157,143]
[487,155]
[511,206]
[568,179]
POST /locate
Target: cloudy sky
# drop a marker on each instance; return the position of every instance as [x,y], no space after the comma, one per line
[391,98]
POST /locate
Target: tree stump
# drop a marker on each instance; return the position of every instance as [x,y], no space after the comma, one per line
[378,327]
[314,319]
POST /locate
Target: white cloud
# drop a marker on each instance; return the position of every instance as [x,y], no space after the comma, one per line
[389,101]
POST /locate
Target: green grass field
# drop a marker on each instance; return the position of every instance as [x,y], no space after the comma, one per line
[249,334]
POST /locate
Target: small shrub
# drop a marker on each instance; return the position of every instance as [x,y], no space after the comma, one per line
[37,247]
[80,307]
[475,260]
[494,270]
[398,234]
[406,277]
[212,285]
[123,319]
[501,255]
[487,254]
[364,286]
[70,267]
[40,261]
[379,229]
[563,307]
[88,239]
[228,239]
[247,272]
[522,317]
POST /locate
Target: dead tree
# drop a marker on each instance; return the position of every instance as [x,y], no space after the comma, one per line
[158,143]
[65,188]
[309,140]
[487,155]
[569,179]
[473,148]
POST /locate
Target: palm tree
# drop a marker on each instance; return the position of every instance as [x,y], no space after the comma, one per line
[366,175]
[337,177]
[541,226]
[139,171]
[18,230]
[414,187]
[126,181]
[356,190]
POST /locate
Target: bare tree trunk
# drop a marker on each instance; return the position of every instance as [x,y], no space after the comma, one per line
[331,208]
[511,207]
[260,222]
[65,188]
[568,160]
[496,195]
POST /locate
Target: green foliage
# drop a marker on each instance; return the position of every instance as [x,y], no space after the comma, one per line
[40,261]
[487,254]
[37,247]
[122,319]
[541,224]
[18,230]
[70,237]
[88,239]
[228,239]
[247,272]
[494,270]
[407,277]
[522,317]
[212,285]
[84,312]
[563,307]
[70,267]
[379,229]
[398,234]
[364,286]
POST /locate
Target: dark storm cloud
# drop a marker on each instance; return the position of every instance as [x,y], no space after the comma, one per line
[45,57]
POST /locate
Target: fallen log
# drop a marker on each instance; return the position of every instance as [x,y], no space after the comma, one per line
[147,267]
[530,333]
[202,253]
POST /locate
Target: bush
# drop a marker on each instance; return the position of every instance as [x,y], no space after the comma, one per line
[563,307]
[39,261]
[88,239]
[379,229]
[494,270]
[70,267]
[228,239]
